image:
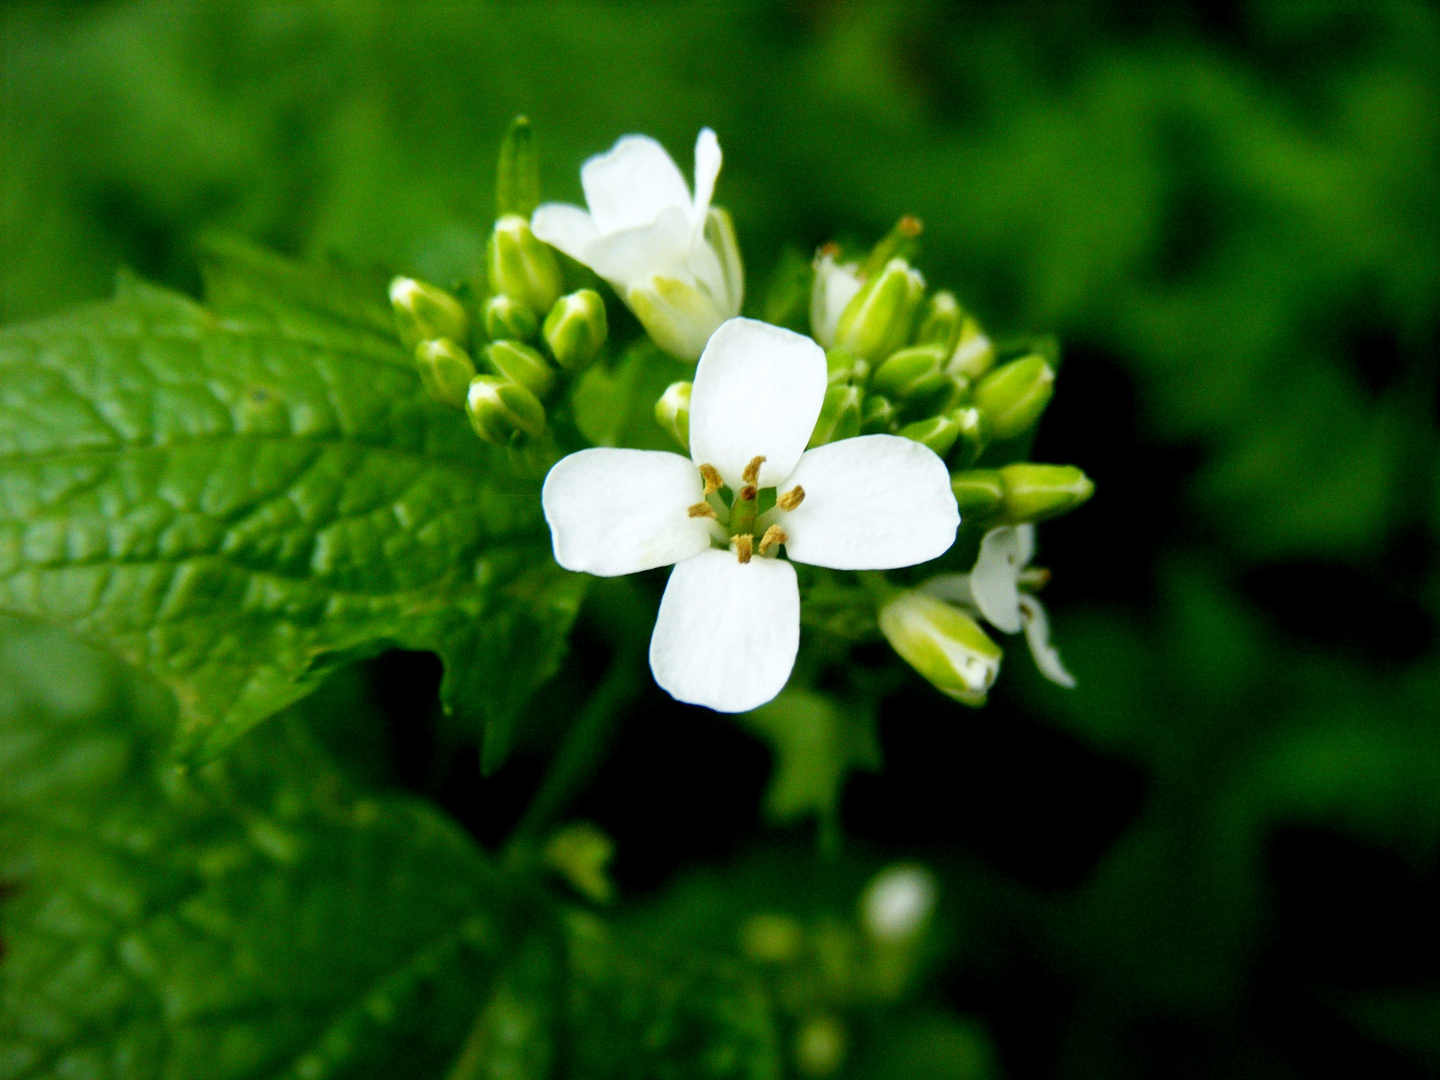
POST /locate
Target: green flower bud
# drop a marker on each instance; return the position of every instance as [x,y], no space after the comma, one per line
[910,373]
[974,434]
[1036,492]
[507,318]
[978,493]
[517,176]
[581,854]
[879,318]
[521,364]
[772,939]
[423,312]
[974,354]
[446,370]
[499,408]
[522,266]
[1015,394]
[940,322]
[672,412]
[878,416]
[938,433]
[839,415]
[845,367]
[943,644]
[576,328]
[898,242]
[939,396]
[821,1043]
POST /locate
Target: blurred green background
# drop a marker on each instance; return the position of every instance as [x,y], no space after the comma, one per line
[1220,856]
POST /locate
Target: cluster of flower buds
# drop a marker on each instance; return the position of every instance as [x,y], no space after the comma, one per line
[823,968]
[528,336]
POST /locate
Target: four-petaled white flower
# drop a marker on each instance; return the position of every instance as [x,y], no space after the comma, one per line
[673,258]
[729,622]
[993,589]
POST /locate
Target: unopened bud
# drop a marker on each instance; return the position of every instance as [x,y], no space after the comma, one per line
[820,1046]
[879,318]
[522,266]
[834,286]
[974,353]
[507,318]
[899,242]
[839,415]
[771,938]
[943,644]
[845,367]
[940,322]
[878,416]
[499,408]
[978,494]
[973,437]
[910,373]
[672,412]
[1015,394]
[517,177]
[576,328]
[423,312]
[446,370]
[938,433]
[521,364]
[1036,492]
[898,903]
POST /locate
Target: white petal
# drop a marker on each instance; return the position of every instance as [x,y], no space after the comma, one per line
[707,168]
[952,588]
[1025,541]
[758,391]
[835,286]
[1037,636]
[632,183]
[615,512]
[727,632]
[566,227]
[660,248]
[1002,555]
[871,503]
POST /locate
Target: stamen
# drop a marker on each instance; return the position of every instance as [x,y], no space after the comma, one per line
[711,476]
[1033,578]
[744,546]
[832,249]
[702,510]
[774,537]
[791,499]
[751,475]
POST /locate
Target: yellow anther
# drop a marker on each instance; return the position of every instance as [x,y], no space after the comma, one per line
[791,499]
[702,509]
[751,475]
[1034,578]
[774,537]
[711,476]
[744,546]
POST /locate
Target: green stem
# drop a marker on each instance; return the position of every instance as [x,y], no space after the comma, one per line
[580,754]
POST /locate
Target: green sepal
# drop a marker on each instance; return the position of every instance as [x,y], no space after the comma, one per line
[508,318]
[446,370]
[1036,492]
[1015,394]
[517,174]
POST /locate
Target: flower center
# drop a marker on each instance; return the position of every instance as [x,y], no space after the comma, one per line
[739,516]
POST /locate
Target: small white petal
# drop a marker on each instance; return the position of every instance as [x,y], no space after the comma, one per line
[1025,544]
[727,632]
[835,286]
[952,588]
[758,391]
[615,512]
[707,168]
[660,248]
[871,503]
[1037,636]
[1003,553]
[565,227]
[632,183]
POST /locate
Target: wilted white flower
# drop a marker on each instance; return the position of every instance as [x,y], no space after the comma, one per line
[729,622]
[993,590]
[671,256]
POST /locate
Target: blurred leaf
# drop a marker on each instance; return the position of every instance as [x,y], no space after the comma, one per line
[238,500]
[259,917]
[818,742]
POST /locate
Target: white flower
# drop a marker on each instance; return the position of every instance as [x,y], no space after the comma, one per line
[672,257]
[835,286]
[992,589]
[729,623]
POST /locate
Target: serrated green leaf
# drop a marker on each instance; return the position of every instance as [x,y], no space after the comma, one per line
[818,743]
[256,918]
[238,499]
